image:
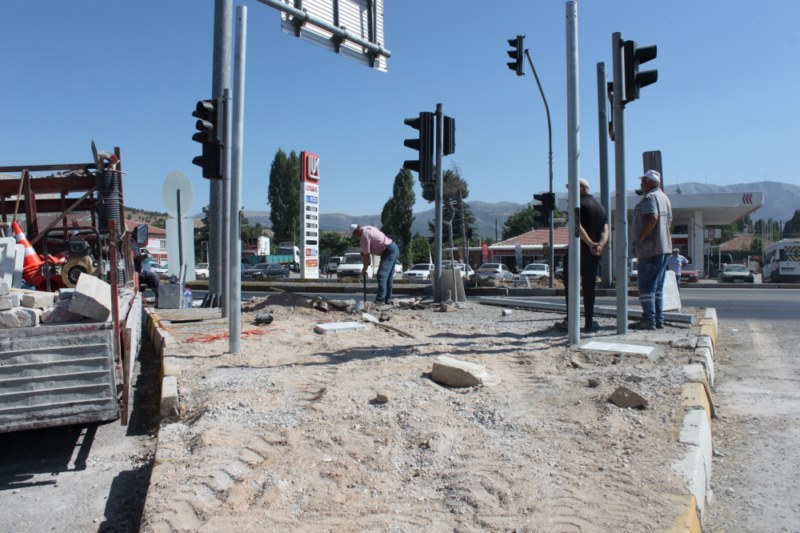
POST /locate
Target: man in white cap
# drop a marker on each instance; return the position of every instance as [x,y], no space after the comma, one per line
[675,263]
[593,230]
[652,242]
[373,241]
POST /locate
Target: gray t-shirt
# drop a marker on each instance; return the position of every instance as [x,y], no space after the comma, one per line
[659,241]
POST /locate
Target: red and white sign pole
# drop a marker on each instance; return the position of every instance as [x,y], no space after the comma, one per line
[309,215]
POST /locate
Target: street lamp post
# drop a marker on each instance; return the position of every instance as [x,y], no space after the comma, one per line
[549,161]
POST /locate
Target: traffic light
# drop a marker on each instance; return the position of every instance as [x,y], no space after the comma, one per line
[547,204]
[209,135]
[516,54]
[635,80]
[449,136]
[423,144]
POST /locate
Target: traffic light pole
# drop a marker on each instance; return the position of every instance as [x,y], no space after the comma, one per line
[220,80]
[549,161]
[605,190]
[237,135]
[437,262]
[621,215]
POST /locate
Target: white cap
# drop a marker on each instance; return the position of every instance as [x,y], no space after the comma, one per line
[583,182]
[653,175]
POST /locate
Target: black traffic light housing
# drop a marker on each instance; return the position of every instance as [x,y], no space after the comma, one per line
[634,79]
[209,123]
[423,144]
[547,204]
[516,53]
[449,136]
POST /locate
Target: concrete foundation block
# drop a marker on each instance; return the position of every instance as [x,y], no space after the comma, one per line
[20,317]
[6,302]
[170,405]
[92,298]
[38,300]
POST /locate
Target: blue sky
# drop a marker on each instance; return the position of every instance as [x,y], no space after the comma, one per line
[725,109]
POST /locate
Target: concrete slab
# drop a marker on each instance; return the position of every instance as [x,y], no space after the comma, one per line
[339,327]
[672,296]
[619,347]
[8,258]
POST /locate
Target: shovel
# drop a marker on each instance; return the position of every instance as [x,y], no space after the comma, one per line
[360,305]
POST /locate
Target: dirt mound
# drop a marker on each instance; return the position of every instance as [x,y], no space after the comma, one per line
[289,434]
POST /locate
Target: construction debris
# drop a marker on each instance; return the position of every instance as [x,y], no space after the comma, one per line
[455,373]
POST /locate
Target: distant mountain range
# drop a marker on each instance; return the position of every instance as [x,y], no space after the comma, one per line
[780,202]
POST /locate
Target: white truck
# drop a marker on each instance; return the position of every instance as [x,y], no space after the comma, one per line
[352,264]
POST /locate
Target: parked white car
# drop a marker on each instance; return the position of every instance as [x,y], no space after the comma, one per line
[159,269]
[419,272]
[535,271]
[201,271]
[495,271]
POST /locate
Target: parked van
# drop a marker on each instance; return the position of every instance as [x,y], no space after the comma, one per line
[781,262]
[333,264]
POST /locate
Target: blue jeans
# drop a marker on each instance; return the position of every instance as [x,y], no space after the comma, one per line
[386,272]
[652,271]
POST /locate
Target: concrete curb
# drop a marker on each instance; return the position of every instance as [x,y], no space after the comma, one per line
[695,434]
[170,367]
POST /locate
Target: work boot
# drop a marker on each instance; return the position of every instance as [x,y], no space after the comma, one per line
[642,325]
[591,328]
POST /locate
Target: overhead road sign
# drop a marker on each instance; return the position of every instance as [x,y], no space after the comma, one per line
[353,28]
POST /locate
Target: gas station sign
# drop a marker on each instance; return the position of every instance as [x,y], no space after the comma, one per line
[309,215]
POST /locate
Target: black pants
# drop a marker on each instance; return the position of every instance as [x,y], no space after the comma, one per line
[589,265]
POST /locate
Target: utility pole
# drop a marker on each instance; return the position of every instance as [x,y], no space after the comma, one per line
[605,190]
[621,215]
[437,263]
[237,137]
[573,171]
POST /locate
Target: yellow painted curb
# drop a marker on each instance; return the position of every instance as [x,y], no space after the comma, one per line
[711,323]
[711,332]
[695,395]
[688,520]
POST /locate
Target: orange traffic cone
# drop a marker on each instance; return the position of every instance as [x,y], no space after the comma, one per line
[32,264]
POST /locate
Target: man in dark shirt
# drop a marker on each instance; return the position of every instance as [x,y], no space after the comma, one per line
[593,231]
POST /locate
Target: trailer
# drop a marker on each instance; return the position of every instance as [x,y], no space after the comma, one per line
[79,370]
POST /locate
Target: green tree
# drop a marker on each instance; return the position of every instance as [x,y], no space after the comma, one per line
[249,234]
[455,210]
[421,249]
[283,196]
[397,215]
[791,229]
[333,242]
[756,246]
[519,222]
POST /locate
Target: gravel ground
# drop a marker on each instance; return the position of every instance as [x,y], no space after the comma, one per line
[289,435]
